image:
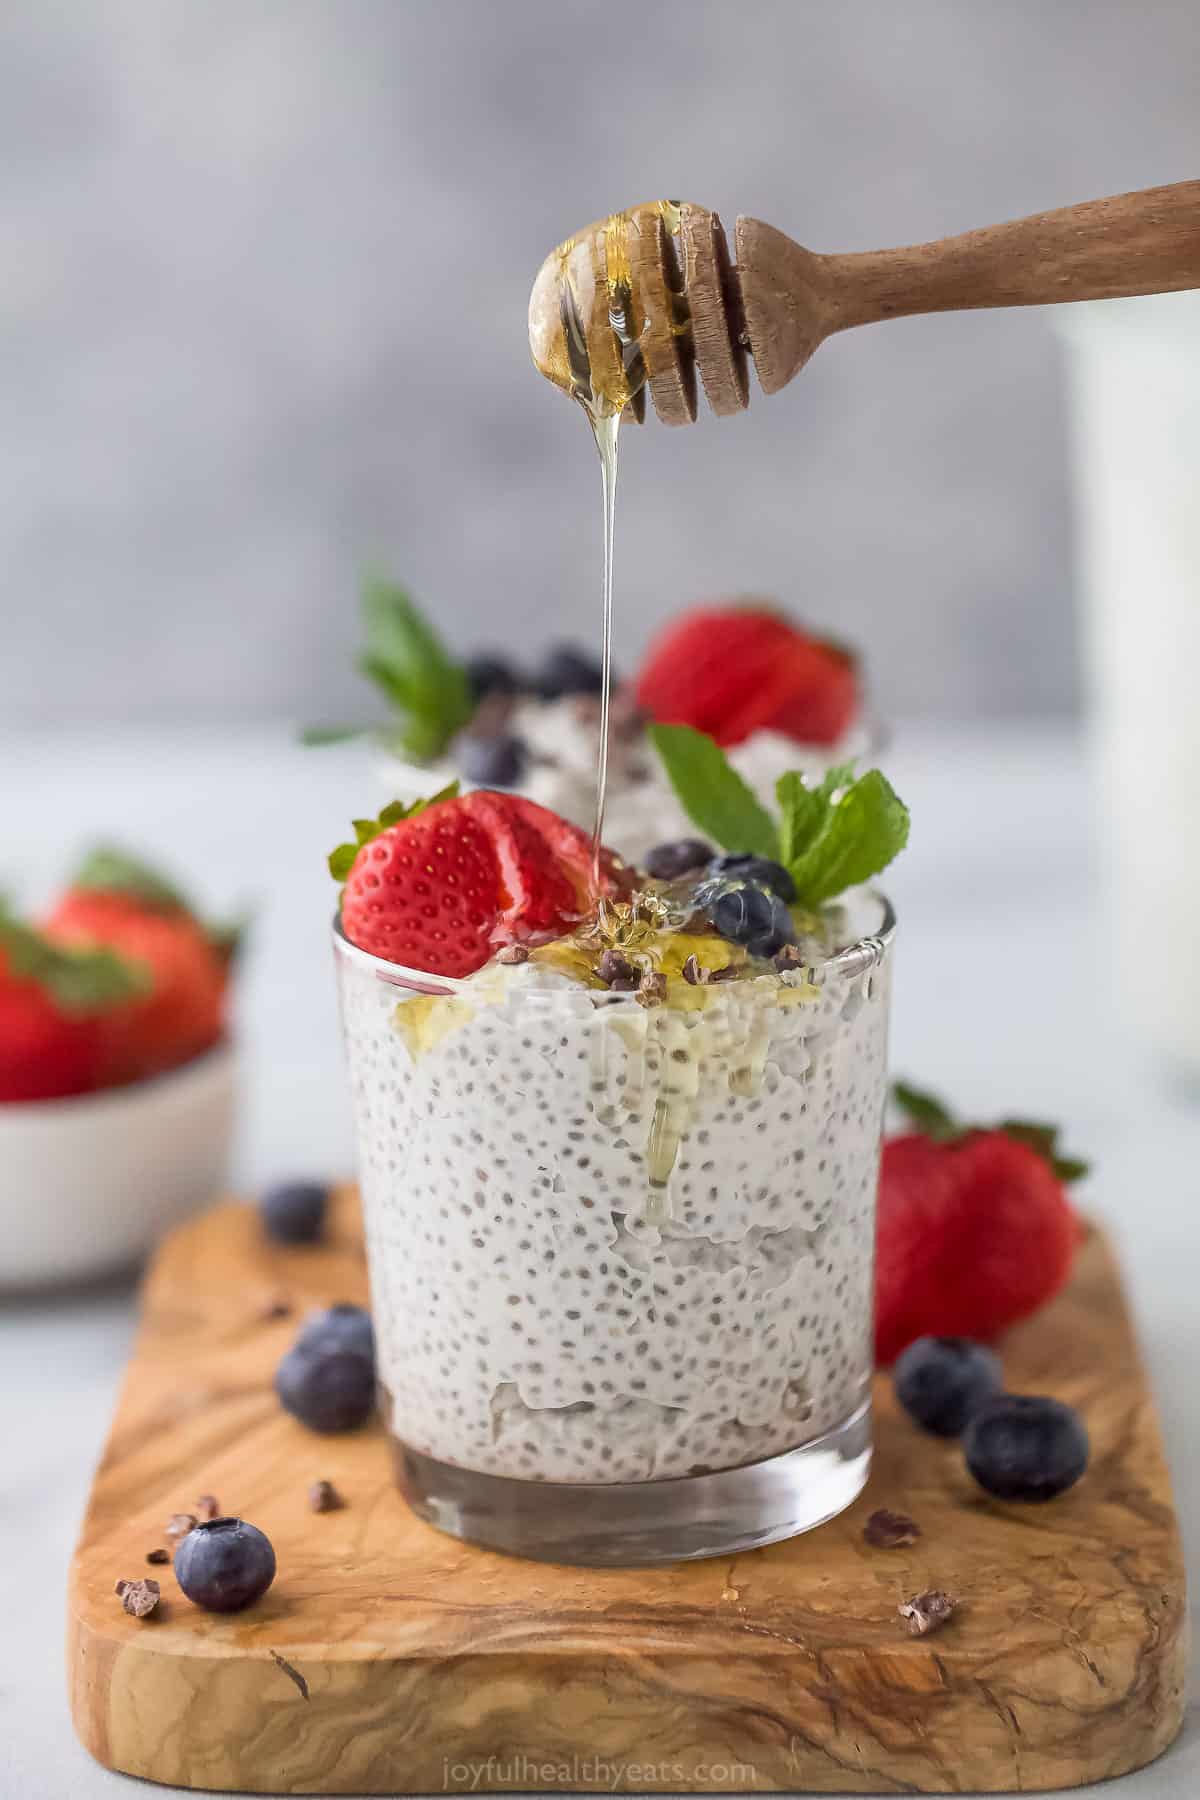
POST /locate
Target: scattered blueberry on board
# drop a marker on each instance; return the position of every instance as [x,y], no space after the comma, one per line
[224,1565]
[683,856]
[761,870]
[339,1327]
[752,916]
[327,1378]
[498,761]
[1026,1447]
[942,1381]
[293,1212]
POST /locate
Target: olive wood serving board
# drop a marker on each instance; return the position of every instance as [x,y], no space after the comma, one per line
[389,1658]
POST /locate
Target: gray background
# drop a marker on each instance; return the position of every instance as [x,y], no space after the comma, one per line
[262,291]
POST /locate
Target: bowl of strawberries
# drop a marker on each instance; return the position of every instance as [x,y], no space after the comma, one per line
[116,1072]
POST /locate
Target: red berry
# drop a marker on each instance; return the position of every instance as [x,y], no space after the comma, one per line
[442,890]
[973,1235]
[182,1012]
[732,671]
[45,1052]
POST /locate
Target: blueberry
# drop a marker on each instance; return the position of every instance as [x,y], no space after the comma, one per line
[492,761]
[225,1564]
[942,1381]
[293,1212]
[565,670]
[491,675]
[340,1327]
[759,869]
[667,862]
[751,916]
[1025,1447]
[327,1387]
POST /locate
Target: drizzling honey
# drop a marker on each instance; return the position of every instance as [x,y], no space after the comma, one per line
[588,324]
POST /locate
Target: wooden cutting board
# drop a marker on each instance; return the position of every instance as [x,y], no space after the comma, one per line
[388,1658]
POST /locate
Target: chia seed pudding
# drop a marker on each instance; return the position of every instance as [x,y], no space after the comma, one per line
[622,1237]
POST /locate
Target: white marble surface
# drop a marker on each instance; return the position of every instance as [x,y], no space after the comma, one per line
[1001,874]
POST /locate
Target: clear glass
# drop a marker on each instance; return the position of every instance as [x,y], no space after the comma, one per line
[621,1257]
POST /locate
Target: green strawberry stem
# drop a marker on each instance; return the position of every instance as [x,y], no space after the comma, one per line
[929,1116]
[342,859]
[78,980]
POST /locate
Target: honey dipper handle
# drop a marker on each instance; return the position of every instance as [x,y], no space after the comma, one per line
[1142,243]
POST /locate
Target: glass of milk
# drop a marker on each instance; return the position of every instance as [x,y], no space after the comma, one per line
[1134,369]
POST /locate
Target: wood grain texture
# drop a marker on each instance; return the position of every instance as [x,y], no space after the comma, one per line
[390,1658]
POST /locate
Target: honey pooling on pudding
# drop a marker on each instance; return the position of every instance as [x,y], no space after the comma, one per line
[607,312]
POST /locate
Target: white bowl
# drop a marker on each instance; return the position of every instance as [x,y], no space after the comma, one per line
[89,1184]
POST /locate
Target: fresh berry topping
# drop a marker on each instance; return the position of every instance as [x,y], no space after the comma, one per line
[293,1212]
[340,1327]
[758,869]
[441,886]
[488,675]
[732,671]
[942,1381]
[667,862]
[498,761]
[752,916]
[566,670]
[327,1387]
[975,1231]
[1025,1447]
[225,1565]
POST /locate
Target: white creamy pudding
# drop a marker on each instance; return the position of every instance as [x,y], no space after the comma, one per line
[613,1241]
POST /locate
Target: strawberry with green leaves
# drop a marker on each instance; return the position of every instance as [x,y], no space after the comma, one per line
[118,903]
[440,886]
[975,1229]
[54,1007]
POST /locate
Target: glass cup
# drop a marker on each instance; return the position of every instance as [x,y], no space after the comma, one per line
[621,1256]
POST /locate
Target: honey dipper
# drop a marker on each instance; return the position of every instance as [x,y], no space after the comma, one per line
[647,297]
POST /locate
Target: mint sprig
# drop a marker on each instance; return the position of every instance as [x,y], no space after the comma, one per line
[78,980]
[933,1119]
[830,836]
[712,793]
[341,860]
[407,660]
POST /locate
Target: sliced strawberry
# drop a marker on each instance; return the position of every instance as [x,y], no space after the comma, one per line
[428,892]
[572,848]
[732,671]
[541,895]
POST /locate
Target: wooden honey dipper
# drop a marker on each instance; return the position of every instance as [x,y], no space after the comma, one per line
[647,297]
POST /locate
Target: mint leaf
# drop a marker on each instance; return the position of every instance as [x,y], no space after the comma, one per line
[408,661]
[862,829]
[341,859]
[1044,1139]
[109,870]
[315,736]
[926,1113]
[712,793]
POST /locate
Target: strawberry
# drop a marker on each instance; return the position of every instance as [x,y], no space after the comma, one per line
[441,885]
[117,902]
[52,1014]
[732,671]
[975,1230]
